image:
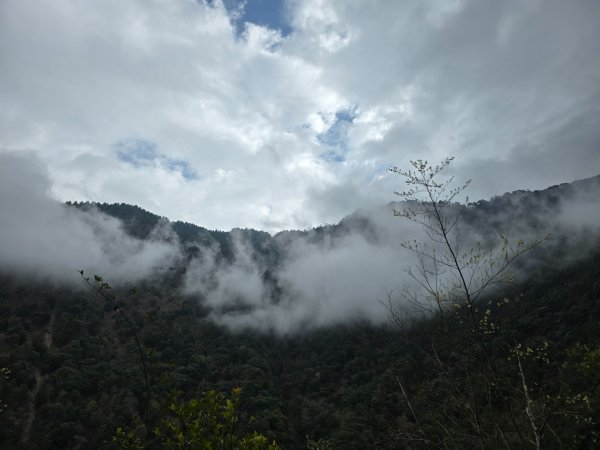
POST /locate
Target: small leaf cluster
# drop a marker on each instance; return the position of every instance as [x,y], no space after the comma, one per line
[208,422]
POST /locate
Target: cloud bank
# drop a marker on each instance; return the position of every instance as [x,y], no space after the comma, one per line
[41,238]
[342,273]
[290,122]
[318,281]
[289,282]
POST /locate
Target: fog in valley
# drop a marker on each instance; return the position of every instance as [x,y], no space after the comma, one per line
[297,279]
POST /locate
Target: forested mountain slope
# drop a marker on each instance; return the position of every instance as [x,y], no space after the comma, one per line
[358,381]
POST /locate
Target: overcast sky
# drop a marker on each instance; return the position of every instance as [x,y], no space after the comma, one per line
[287,114]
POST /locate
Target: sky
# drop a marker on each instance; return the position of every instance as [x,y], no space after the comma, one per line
[288,114]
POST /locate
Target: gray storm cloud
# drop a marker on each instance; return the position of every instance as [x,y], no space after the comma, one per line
[41,237]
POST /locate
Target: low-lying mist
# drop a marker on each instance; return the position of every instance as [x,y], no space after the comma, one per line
[319,282]
[344,272]
[44,239]
[292,281]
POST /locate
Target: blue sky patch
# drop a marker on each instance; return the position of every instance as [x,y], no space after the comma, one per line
[136,152]
[336,136]
[141,153]
[269,13]
[181,166]
[333,156]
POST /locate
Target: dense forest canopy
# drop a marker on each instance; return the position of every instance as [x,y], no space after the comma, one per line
[315,352]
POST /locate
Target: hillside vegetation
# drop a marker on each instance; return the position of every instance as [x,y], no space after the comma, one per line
[72,376]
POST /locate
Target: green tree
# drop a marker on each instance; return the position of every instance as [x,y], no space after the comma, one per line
[4,376]
[99,285]
[208,422]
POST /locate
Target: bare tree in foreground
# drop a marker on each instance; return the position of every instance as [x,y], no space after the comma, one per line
[480,398]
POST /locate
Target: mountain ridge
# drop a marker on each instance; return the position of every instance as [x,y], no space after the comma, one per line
[73,380]
[534,210]
[129,212]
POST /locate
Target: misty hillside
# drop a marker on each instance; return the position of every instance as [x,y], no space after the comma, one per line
[567,211]
[244,274]
[577,200]
[299,224]
[311,324]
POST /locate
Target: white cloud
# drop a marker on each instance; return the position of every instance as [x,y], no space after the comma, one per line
[43,238]
[484,81]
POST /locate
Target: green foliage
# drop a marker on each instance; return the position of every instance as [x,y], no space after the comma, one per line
[126,440]
[208,422]
[337,383]
[591,363]
[4,376]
